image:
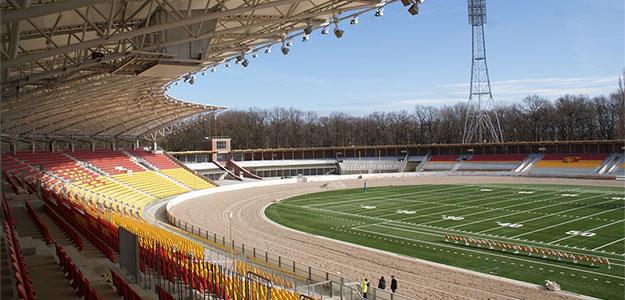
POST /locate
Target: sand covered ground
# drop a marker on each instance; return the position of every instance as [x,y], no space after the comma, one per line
[417,279]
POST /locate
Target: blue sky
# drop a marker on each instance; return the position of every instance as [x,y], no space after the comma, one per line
[397,61]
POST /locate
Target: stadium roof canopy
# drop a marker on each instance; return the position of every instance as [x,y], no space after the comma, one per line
[100,69]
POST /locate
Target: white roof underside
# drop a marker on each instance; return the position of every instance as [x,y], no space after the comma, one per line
[101,68]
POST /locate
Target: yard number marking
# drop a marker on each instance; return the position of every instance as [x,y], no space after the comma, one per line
[407,212]
[580,233]
[453,218]
[511,225]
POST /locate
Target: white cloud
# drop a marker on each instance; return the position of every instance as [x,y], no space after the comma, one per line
[506,91]
[546,87]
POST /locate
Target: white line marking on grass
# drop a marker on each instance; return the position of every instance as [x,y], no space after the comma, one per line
[483,209]
[581,189]
[592,229]
[556,225]
[383,196]
[547,215]
[433,203]
[608,244]
[435,233]
[496,255]
[324,195]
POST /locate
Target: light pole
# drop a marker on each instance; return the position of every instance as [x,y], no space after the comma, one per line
[231,240]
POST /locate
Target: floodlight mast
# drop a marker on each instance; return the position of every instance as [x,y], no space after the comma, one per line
[478,126]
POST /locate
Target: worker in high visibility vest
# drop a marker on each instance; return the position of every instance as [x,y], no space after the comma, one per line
[364,288]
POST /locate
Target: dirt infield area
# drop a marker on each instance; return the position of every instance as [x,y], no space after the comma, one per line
[417,279]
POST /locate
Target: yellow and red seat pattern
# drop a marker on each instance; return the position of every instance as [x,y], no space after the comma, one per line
[571,161]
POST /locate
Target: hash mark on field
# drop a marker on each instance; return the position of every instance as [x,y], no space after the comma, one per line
[592,229]
[575,220]
[608,244]
[532,210]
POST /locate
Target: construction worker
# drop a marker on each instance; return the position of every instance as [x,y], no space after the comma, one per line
[364,288]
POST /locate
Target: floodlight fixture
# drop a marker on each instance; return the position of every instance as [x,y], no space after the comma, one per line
[354,20]
[203,73]
[239,58]
[305,38]
[308,30]
[214,69]
[227,65]
[289,44]
[379,12]
[338,33]
[406,2]
[255,55]
[325,30]
[192,80]
[285,50]
[414,9]
[244,63]
[268,50]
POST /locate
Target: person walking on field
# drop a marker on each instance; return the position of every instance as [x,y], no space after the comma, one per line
[393,284]
[382,283]
[364,288]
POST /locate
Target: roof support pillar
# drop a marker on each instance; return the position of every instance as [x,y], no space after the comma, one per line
[92,144]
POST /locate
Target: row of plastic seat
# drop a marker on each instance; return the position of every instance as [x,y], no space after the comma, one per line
[163,294]
[23,283]
[107,160]
[187,178]
[575,160]
[83,229]
[243,268]
[67,230]
[150,235]
[498,158]
[151,183]
[43,229]
[81,285]
[156,159]
[7,212]
[176,265]
[79,216]
[123,289]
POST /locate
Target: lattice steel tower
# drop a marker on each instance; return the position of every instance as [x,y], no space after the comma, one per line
[478,126]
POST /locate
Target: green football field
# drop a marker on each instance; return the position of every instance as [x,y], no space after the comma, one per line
[413,221]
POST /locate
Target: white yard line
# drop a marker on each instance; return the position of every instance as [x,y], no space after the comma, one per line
[608,244]
[581,189]
[570,236]
[438,233]
[382,191]
[461,225]
[487,210]
[436,205]
[570,221]
[549,215]
[380,197]
[497,255]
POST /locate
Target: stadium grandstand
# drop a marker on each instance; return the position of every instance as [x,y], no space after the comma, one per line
[87,192]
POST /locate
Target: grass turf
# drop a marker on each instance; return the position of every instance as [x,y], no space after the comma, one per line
[412,221]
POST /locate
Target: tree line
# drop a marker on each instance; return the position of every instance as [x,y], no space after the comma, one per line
[535,118]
